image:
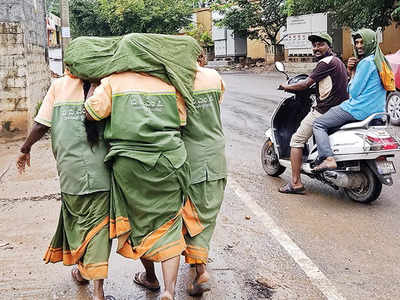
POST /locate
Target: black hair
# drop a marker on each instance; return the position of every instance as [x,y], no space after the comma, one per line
[92,130]
[357,36]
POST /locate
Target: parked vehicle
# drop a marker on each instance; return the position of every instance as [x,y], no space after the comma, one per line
[393,98]
[363,152]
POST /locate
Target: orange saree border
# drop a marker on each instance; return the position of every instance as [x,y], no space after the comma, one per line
[164,252]
[71,257]
[195,255]
[55,255]
[167,251]
[93,271]
[191,218]
[119,226]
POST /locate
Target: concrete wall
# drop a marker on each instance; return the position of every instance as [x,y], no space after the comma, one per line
[204,18]
[255,49]
[391,39]
[347,46]
[24,74]
[258,49]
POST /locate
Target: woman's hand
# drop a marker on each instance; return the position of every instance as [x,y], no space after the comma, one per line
[23,160]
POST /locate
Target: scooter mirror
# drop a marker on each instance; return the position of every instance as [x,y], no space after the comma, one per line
[279,66]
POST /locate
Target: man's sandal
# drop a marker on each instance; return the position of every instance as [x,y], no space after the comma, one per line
[327,165]
[140,279]
[288,188]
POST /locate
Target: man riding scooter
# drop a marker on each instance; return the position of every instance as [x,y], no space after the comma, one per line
[369,73]
[331,79]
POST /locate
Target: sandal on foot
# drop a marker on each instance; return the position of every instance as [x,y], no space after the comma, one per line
[328,164]
[74,274]
[288,188]
[140,279]
[197,289]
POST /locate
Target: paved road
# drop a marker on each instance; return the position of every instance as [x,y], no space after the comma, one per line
[356,246]
[267,245]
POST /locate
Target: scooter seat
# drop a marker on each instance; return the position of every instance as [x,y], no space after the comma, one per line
[354,125]
[370,121]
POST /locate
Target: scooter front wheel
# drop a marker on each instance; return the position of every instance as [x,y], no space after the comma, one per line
[270,161]
[369,190]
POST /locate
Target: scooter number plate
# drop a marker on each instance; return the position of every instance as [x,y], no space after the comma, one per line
[385,167]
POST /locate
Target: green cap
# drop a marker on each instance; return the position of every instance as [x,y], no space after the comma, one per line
[320,36]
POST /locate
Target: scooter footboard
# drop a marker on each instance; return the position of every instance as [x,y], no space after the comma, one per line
[286,121]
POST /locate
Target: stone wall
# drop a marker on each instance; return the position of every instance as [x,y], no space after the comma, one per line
[24,74]
[13,99]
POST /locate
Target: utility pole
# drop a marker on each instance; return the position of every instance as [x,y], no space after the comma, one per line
[65,30]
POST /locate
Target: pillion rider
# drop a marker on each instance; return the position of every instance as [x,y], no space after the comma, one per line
[371,78]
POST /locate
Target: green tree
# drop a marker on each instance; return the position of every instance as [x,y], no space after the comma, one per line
[86,18]
[396,14]
[53,6]
[202,36]
[118,17]
[254,19]
[353,13]
[290,7]
[203,3]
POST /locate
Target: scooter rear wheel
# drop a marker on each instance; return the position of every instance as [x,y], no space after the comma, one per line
[369,190]
[270,161]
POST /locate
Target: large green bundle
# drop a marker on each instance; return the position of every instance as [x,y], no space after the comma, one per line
[169,57]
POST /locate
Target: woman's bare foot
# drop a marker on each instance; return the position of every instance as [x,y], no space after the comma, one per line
[201,283]
[98,292]
[77,277]
[142,279]
[166,296]
[202,277]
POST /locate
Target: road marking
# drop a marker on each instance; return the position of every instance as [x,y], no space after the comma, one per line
[5,170]
[316,276]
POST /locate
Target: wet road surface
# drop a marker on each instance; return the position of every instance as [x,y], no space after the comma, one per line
[356,246]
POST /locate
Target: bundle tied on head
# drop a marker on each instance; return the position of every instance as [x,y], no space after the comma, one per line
[171,58]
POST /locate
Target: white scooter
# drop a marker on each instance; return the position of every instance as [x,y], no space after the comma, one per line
[363,152]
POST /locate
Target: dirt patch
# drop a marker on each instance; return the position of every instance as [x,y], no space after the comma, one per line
[38,181]
[257,68]
[7,136]
[56,197]
[259,290]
